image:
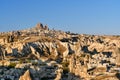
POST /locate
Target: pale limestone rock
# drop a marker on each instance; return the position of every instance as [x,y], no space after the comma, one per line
[4,63]
[2,41]
[26,76]
[118,56]
[39,26]
[35,52]
[99,47]
[2,53]
[9,50]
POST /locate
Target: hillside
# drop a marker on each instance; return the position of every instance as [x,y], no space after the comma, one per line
[39,53]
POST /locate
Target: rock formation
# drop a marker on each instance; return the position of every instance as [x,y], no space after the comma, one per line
[39,26]
[2,53]
[26,76]
[42,54]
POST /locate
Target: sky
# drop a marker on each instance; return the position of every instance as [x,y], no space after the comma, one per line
[78,16]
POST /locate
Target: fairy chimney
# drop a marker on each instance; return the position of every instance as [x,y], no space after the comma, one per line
[39,26]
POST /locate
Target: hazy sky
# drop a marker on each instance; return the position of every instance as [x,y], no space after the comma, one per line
[80,16]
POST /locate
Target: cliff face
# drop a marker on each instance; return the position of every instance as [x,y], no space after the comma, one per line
[49,54]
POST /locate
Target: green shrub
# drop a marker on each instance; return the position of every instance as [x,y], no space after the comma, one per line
[65,70]
[35,63]
[117,75]
[65,67]
[21,61]
[12,65]
[28,61]
[65,64]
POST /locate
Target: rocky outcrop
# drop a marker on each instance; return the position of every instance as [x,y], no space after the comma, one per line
[39,26]
[57,55]
[118,56]
[78,67]
[26,76]
[2,53]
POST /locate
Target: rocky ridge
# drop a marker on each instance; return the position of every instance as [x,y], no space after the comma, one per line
[39,53]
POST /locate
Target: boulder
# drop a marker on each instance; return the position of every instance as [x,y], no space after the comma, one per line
[26,76]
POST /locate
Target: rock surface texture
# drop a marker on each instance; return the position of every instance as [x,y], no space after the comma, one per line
[26,76]
[39,53]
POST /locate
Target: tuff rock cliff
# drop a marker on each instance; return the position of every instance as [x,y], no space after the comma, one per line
[39,53]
